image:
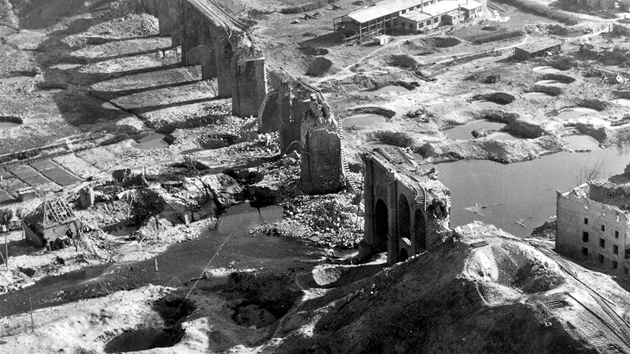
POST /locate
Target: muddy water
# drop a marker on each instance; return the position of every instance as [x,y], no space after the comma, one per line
[15,79]
[464,132]
[575,112]
[554,83]
[7,125]
[581,142]
[502,136]
[178,264]
[546,70]
[622,101]
[486,104]
[536,96]
[522,192]
[388,89]
[152,141]
[363,120]
[65,66]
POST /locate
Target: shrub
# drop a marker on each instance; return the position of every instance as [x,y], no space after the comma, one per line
[494,36]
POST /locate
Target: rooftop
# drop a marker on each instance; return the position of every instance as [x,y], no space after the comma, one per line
[383,8]
[416,16]
[469,5]
[388,7]
[441,7]
[539,44]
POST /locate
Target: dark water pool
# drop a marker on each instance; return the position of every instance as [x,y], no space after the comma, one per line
[178,264]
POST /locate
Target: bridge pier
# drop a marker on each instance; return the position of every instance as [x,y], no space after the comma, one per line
[250,87]
[226,74]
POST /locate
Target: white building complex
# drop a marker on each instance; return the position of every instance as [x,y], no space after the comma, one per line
[405,15]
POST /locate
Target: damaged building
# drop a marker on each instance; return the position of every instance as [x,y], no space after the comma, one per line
[594,223]
[306,124]
[407,210]
[51,224]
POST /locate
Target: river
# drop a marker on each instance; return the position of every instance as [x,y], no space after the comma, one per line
[520,196]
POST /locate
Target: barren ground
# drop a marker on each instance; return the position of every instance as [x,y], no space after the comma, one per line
[89,87]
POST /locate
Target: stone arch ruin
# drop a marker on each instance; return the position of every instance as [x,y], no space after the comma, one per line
[405,208]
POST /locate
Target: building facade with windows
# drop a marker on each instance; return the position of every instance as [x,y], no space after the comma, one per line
[593,224]
[407,15]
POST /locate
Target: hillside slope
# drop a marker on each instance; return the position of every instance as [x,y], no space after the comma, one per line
[503,297]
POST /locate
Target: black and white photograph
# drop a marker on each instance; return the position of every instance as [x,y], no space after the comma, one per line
[315,176]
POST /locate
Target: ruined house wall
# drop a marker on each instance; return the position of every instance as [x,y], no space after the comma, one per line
[610,194]
[579,215]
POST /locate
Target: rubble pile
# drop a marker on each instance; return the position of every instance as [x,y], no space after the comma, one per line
[331,221]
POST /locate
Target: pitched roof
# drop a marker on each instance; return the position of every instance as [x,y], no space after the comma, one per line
[53,211]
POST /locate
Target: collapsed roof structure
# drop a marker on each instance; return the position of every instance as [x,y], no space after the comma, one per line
[50,222]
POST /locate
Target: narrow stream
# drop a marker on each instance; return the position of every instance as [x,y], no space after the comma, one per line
[181,262]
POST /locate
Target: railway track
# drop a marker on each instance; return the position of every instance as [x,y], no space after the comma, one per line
[615,323]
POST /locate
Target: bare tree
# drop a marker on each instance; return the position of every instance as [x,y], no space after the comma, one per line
[589,173]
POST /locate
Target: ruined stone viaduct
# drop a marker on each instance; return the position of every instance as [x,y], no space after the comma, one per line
[406,211]
[214,39]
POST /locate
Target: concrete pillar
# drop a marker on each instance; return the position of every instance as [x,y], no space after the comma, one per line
[250,86]
[368,195]
[177,28]
[150,7]
[224,54]
[192,35]
[166,16]
[208,62]
[392,234]
[320,168]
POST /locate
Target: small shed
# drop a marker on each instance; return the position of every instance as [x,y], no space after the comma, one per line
[382,39]
[537,49]
[50,223]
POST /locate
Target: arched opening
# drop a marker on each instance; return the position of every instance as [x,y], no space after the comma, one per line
[404,227]
[380,226]
[202,55]
[403,255]
[420,230]
[228,53]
